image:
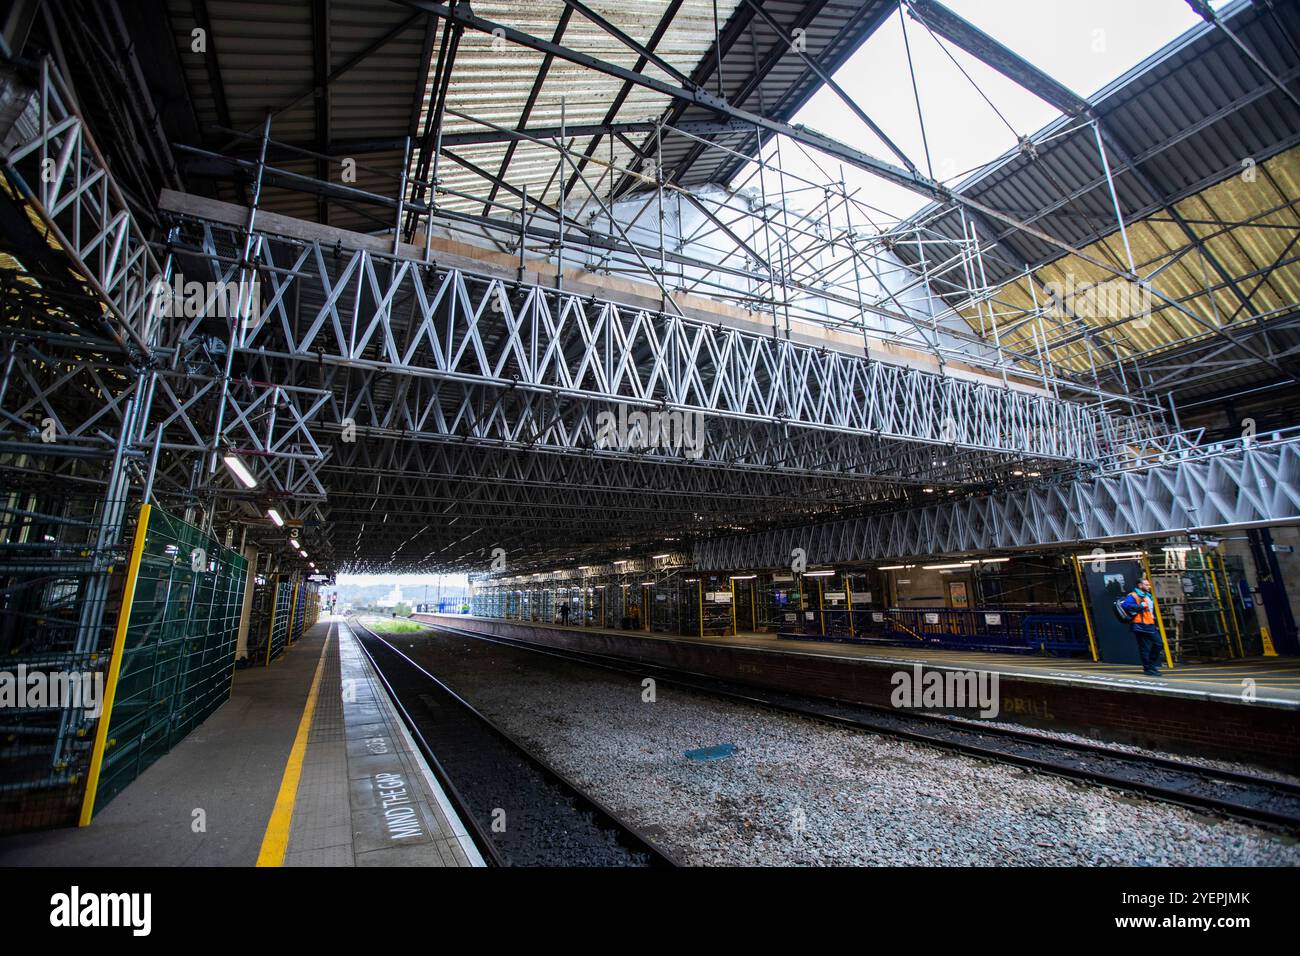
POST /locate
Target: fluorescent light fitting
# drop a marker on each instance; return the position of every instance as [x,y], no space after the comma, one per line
[275,516]
[994,560]
[658,557]
[818,574]
[1109,557]
[943,567]
[743,577]
[895,567]
[239,470]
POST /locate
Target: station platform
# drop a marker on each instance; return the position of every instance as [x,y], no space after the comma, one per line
[1238,710]
[307,764]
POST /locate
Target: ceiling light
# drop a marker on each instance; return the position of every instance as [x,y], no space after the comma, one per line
[275,516]
[895,567]
[994,560]
[239,470]
[742,577]
[941,567]
[818,574]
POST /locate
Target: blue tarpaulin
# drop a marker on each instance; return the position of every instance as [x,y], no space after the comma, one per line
[711,753]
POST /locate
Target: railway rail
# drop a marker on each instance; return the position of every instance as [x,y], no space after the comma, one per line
[520,810]
[1256,799]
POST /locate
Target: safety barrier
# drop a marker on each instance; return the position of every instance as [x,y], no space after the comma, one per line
[173,652]
[996,630]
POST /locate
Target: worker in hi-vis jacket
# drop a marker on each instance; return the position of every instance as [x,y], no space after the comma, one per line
[1142,606]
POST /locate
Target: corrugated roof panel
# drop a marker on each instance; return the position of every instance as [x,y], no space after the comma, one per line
[1240,226]
[493,79]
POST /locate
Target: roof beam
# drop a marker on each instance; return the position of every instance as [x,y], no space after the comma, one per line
[664,22]
[698,97]
[359,57]
[829,81]
[980,45]
[320,29]
[939,19]
[561,25]
[1206,13]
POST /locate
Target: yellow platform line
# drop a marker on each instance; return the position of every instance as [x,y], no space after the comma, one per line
[276,839]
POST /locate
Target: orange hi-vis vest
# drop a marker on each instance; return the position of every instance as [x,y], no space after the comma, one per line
[1145,614]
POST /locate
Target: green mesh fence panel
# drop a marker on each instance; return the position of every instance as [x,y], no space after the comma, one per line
[280,625]
[59,594]
[178,658]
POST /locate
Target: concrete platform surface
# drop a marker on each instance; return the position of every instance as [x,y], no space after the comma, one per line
[308,764]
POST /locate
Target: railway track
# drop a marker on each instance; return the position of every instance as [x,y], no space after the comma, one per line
[519,809]
[1255,799]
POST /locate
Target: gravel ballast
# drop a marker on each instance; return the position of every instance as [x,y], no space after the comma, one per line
[801,792]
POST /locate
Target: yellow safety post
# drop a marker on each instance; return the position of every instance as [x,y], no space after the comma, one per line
[293,613]
[848,596]
[1226,600]
[1160,621]
[1207,559]
[734,629]
[275,603]
[821,605]
[700,582]
[1083,605]
[114,668]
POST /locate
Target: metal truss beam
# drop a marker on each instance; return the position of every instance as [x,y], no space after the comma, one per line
[425,320]
[54,168]
[1253,484]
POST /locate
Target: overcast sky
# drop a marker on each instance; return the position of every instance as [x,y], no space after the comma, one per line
[1084,44]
